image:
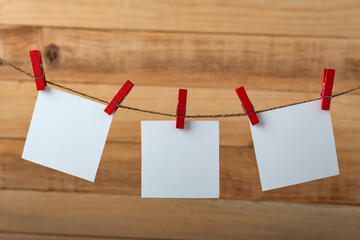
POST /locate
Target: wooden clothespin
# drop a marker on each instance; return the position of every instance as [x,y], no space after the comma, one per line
[38,69]
[181,109]
[327,87]
[247,105]
[119,97]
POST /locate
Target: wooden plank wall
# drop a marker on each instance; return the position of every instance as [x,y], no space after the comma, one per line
[277,49]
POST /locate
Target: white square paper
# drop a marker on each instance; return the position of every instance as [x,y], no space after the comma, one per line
[294,145]
[67,133]
[180,163]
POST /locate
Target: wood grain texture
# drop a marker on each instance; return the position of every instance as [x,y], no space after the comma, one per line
[36,236]
[114,216]
[277,49]
[126,124]
[187,60]
[120,173]
[309,17]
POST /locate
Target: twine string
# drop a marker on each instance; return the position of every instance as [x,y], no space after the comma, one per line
[223,115]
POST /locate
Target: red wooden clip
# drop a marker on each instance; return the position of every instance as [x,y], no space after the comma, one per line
[326,89]
[247,105]
[181,109]
[119,97]
[38,69]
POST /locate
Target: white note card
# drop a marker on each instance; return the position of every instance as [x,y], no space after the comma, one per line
[294,145]
[180,163]
[67,133]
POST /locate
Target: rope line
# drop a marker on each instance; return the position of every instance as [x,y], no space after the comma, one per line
[224,115]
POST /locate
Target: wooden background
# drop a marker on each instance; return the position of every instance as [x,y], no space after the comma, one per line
[277,49]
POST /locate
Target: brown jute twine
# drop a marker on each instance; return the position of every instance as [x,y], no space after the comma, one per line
[222,115]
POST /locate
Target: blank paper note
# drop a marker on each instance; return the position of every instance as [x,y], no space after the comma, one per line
[294,145]
[67,133]
[180,163]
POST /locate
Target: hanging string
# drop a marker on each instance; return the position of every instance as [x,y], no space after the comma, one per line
[162,113]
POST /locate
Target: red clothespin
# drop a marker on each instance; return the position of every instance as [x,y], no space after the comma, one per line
[38,69]
[247,105]
[181,109]
[119,97]
[326,89]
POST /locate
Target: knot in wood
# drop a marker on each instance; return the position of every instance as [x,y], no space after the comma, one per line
[52,53]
